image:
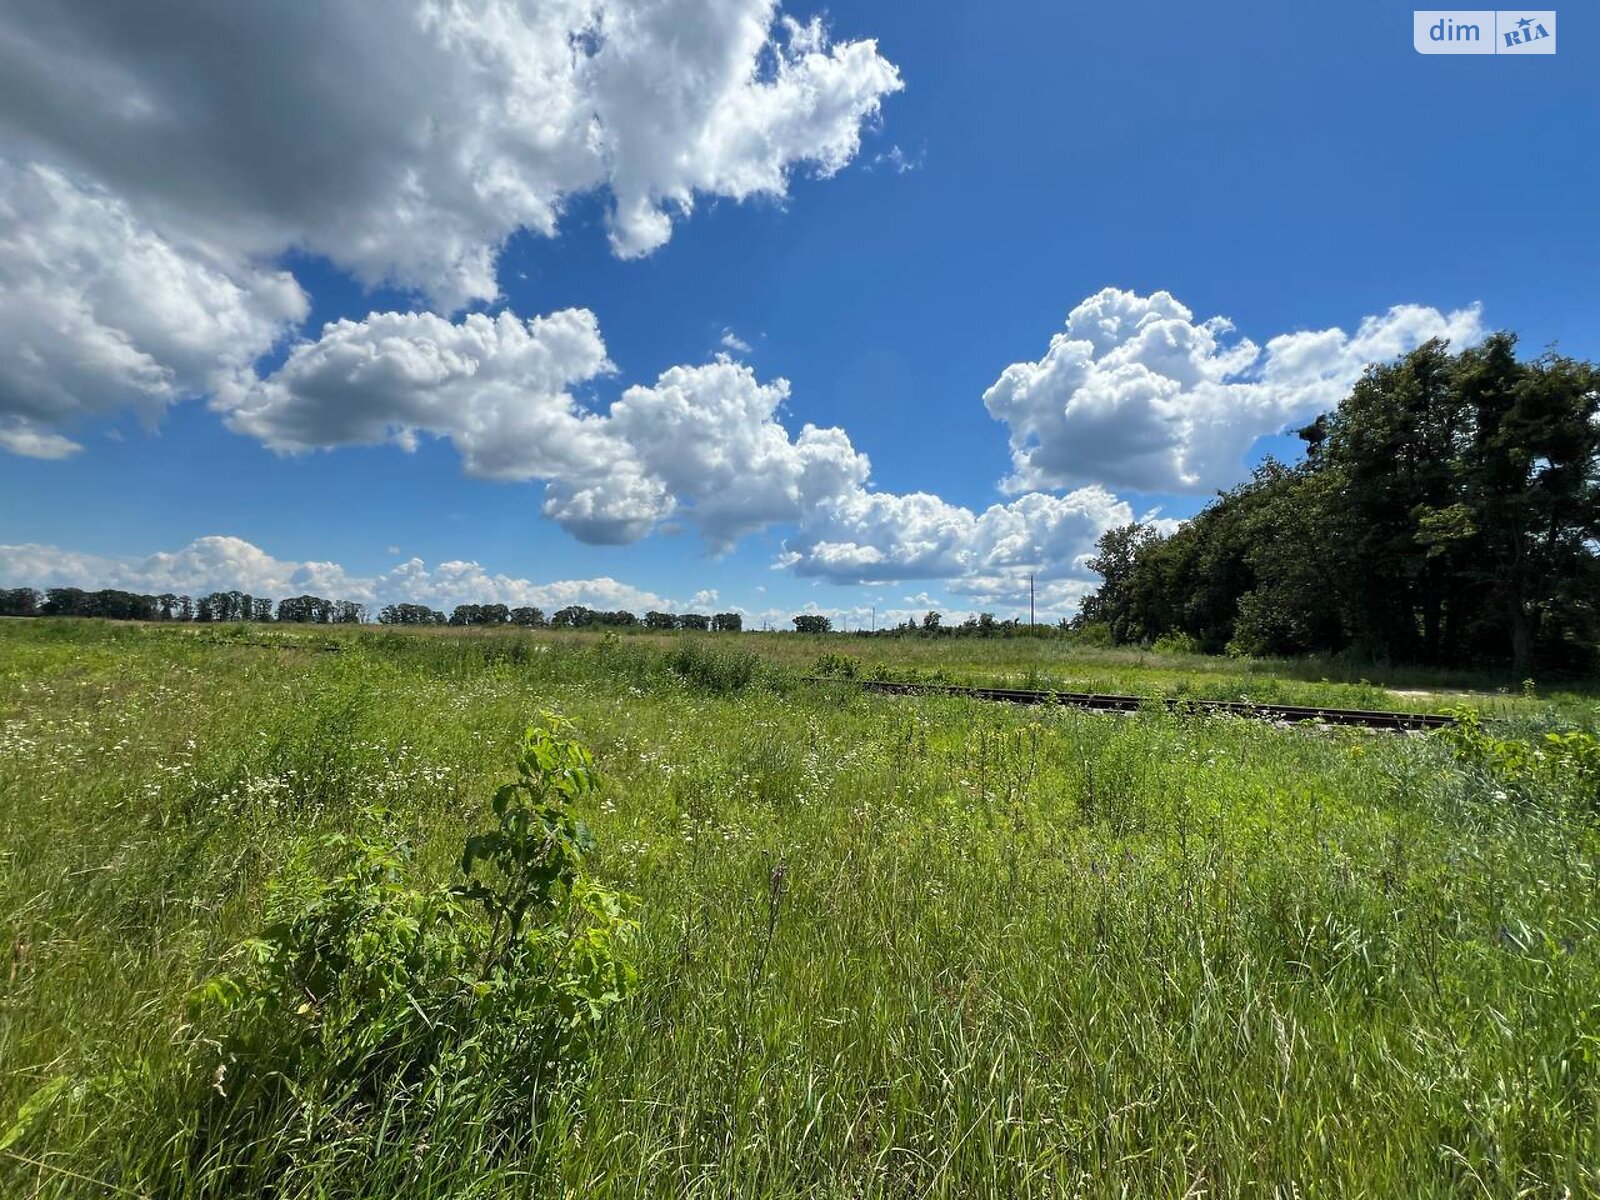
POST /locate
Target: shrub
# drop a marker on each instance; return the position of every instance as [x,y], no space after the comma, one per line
[714,668]
[369,1000]
[1176,643]
[836,666]
[1567,762]
[1093,633]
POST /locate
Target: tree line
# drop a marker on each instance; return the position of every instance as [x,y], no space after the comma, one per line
[574,616]
[1446,513]
[117,605]
[932,624]
[113,604]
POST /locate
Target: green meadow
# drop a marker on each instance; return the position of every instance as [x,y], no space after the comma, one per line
[806,941]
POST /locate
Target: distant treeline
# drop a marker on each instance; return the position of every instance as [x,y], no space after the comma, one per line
[983,625]
[218,606]
[240,606]
[1447,513]
[574,616]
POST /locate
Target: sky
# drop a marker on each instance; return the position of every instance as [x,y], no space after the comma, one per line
[721,305]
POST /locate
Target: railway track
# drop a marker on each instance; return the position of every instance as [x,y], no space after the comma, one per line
[1097,702]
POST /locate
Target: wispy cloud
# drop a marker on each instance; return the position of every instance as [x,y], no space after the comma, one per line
[897,160]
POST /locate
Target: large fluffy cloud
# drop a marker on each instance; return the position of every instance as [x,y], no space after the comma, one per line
[406,141]
[159,158]
[496,386]
[220,563]
[704,443]
[708,438]
[1134,393]
[206,564]
[865,536]
[704,440]
[98,311]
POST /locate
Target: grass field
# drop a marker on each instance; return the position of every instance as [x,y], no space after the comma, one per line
[885,946]
[1045,663]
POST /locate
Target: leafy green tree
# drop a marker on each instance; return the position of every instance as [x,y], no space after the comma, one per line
[1112,604]
[1397,442]
[65,602]
[1531,501]
[1292,602]
[1447,512]
[410,614]
[348,612]
[20,602]
[305,610]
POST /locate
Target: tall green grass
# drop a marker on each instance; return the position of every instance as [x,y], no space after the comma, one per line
[888,946]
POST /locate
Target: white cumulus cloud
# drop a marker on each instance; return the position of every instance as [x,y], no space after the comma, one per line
[704,440]
[497,387]
[98,311]
[866,536]
[705,444]
[1135,393]
[220,563]
[206,564]
[407,141]
[157,160]
[710,438]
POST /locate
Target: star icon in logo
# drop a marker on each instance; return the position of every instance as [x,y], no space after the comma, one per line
[1525,22]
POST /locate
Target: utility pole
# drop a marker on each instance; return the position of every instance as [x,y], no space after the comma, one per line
[874,618]
[1030,601]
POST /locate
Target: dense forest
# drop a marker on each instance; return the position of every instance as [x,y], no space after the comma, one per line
[1447,513]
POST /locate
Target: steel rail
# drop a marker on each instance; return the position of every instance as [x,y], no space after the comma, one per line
[1097,702]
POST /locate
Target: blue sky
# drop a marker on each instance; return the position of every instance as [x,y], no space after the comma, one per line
[1293,169]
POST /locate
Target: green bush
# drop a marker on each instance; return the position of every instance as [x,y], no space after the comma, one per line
[369,1000]
[1176,643]
[1093,633]
[836,666]
[1566,762]
[714,668]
